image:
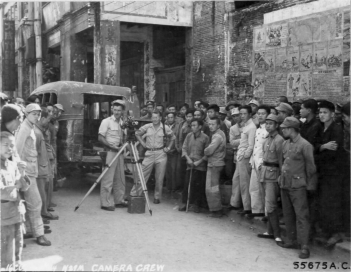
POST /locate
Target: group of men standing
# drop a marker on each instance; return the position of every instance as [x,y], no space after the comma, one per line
[28,136]
[282,157]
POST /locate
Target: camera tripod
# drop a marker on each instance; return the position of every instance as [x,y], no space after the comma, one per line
[136,160]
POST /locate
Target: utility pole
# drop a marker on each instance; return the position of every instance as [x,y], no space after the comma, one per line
[38,44]
[20,53]
[31,66]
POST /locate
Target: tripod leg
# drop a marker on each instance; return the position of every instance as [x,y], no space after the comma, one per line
[141,176]
[102,174]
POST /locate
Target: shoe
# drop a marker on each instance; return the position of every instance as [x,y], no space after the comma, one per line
[182,208]
[24,245]
[305,253]
[265,235]
[157,201]
[110,209]
[46,227]
[216,214]
[52,205]
[50,209]
[332,241]
[30,235]
[264,219]
[121,205]
[253,215]
[46,222]
[42,241]
[290,246]
[243,212]
[233,208]
[47,231]
[196,209]
[50,216]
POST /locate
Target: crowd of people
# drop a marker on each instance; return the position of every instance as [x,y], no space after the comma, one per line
[28,170]
[288,163]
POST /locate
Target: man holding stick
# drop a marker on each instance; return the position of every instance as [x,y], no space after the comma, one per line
[193,151]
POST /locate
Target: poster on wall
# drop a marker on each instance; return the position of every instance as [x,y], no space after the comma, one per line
[281,60]
[258,85]
[308,30]
[260,63]
[334,58]
[306,57]
[276,35]
[275,85]
[293,59]
[299,84]
[270,61]
[259,40]
[331,25]
[327,83]
[320,52]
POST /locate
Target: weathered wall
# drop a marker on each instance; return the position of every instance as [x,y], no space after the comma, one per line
[208,69]
[223,47]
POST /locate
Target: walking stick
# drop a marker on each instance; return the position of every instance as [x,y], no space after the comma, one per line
[187,202]
[102,174]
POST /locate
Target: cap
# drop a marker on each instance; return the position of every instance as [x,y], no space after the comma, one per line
[222,110]
[150,103]
[255,102]
[284,107]
[214,107]
[290,122]
[235,111]
[298,101]
[32,107]
[231,103]
[119,101]
[272,117]
[59,106]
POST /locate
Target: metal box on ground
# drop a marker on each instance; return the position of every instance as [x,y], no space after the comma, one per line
[136,204]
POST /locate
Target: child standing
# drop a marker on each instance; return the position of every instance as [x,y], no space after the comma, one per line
[12,209]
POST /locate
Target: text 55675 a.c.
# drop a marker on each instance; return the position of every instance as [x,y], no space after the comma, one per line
[321,265]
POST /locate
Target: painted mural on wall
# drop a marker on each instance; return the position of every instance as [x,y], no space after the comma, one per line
[300,57]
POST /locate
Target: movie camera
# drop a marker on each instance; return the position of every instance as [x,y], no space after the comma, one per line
[130,124]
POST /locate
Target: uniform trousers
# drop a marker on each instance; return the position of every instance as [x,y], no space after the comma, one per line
[42,185]
[34,222]
[171,172]
[270,194]
[255,190]
[296,215]
[157,159]
[241,183]
[113,182]
[213,193]
[11,245]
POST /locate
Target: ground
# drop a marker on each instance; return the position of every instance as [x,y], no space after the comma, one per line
[91,239]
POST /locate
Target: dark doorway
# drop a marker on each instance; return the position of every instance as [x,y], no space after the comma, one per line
[132,67]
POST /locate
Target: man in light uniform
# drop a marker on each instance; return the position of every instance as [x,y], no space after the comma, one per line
[215,152]
[26,148]
[113,137]
[156,153]
[257,203]
[269,172]
[254,104]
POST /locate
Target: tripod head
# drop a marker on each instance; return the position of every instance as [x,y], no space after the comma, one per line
[131,126]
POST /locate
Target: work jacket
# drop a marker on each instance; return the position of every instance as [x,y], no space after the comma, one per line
[216,150]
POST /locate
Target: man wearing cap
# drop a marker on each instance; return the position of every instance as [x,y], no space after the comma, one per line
[284,110]
[156,154]
[298,175]
[235,132]
[26,148]
[329,149]
[241,178]
[254,106]
[257,202]
[213,112]
[113,137]
[215,153]
[269,172]
[150,107]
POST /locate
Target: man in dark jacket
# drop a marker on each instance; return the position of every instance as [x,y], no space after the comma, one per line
[329,148]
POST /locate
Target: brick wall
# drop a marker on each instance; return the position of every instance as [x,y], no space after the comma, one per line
[208,82]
